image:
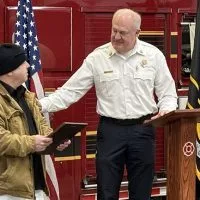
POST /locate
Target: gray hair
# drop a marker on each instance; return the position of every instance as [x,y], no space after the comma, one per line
[135,15]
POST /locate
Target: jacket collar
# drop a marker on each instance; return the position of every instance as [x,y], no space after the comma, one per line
[13,92]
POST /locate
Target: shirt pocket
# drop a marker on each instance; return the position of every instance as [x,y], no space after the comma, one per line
[144,81]
[109,83]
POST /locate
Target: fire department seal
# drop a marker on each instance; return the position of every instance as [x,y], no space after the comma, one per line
[188,149]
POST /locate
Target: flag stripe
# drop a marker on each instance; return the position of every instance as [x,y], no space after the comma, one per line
[194,82]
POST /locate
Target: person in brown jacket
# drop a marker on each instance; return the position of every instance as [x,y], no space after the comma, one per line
[22,131]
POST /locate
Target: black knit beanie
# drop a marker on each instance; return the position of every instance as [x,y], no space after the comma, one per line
[11,57]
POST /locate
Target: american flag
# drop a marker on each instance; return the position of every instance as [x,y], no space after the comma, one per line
[26,37]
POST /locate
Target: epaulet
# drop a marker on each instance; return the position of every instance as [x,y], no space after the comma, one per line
[104,46]
[145,44]
[106,49]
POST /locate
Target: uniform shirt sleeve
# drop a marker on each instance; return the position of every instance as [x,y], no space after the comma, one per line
[75,88]
[164,85]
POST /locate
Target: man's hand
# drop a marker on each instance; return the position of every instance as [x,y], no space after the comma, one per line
[160,114]
[41,142]
[63,146]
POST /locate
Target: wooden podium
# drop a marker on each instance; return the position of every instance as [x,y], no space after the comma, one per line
[180,133]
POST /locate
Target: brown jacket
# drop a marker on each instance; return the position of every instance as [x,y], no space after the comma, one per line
[16,145]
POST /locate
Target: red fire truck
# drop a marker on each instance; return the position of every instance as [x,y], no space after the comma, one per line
[68,31]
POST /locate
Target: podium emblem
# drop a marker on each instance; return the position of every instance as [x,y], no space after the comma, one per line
[188,149]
